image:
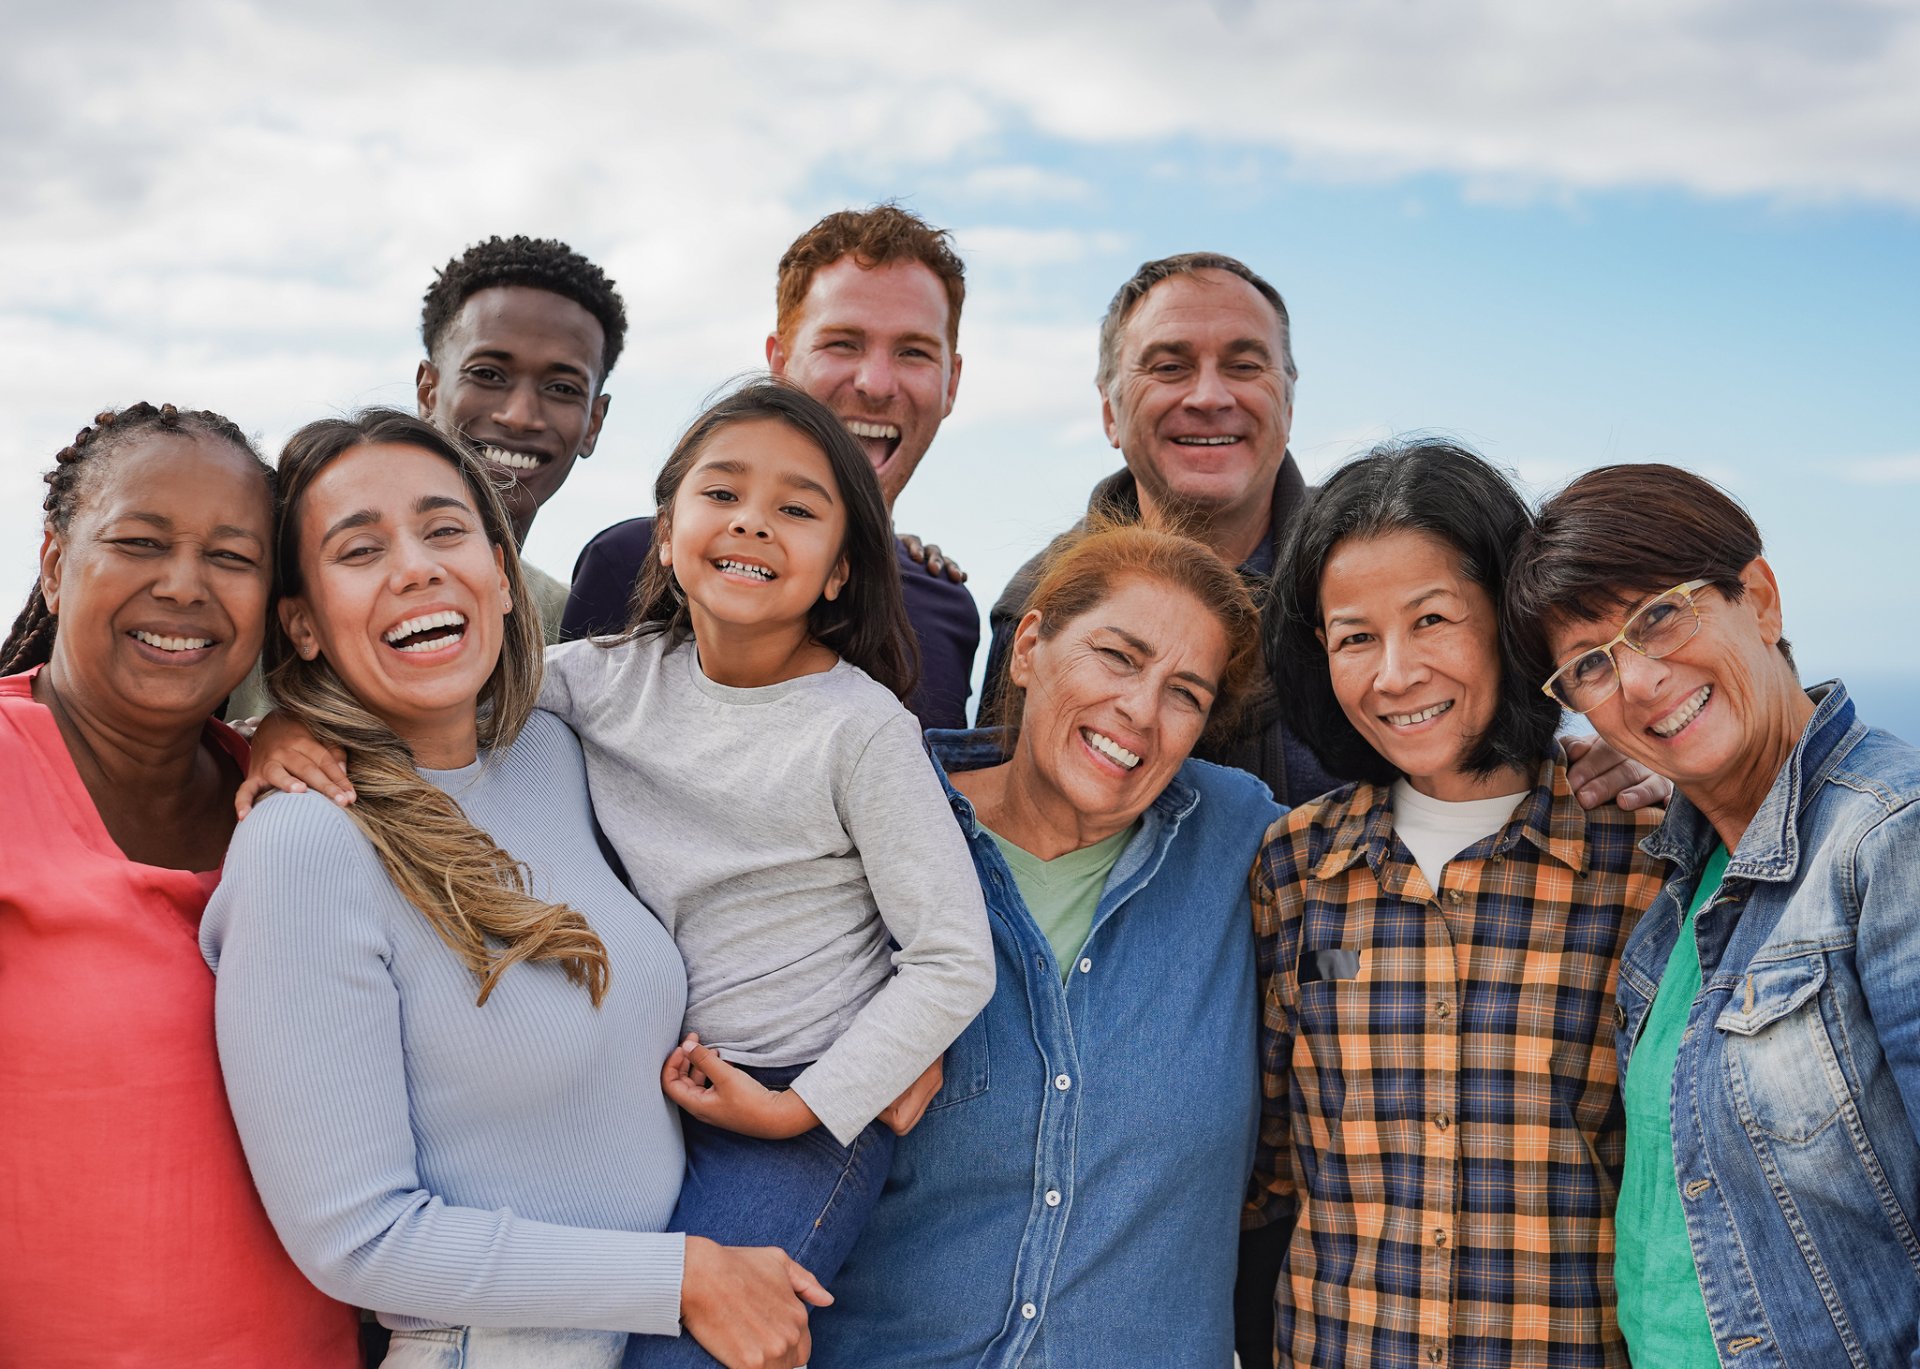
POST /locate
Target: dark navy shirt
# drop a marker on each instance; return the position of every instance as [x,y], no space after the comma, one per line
[942,613]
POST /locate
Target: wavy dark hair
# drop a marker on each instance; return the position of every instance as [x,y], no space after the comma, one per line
[867,624]
[1417,484]
[473,893]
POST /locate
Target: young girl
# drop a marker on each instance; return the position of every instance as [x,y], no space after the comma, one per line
[750,760]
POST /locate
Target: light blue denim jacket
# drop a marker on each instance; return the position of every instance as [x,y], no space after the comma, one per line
[1072,1197]
[1796,1097]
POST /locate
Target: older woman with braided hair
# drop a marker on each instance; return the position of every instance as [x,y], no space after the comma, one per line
[130,1232]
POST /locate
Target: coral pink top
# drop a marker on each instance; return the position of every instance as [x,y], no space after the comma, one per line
[130,1233]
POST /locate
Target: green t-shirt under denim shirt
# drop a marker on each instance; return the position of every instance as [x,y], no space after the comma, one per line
[1662,1314]
[1063,894]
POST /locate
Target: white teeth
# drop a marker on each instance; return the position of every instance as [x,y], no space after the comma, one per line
[745,568]
[1206,441]
[425,622]
[1409,719]
[513,461]
[154,639]
[859,429]
[1110,748]
[1684,714]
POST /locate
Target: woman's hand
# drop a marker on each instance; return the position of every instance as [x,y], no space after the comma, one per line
[288,759]
[696,1078]
[903,1114]
[1600,774]
[748,1307]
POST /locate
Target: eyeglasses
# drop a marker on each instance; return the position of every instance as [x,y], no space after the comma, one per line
[1659,627]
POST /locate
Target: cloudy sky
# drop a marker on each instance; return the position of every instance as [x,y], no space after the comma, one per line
[1684,230]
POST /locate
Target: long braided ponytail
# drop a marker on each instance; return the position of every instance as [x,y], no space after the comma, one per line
[30,641]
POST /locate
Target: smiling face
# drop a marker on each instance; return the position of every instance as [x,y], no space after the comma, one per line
[756,532]
[401,593]
[1116,699]
[871,344]
[518,372]
[1199,403]
[160,581]
[1413,647]
[1723,704]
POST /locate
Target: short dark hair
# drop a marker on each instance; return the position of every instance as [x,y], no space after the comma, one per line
[873,237]
[1127,298]
[1416,484]
[537,263]
[866,624]
[1618,534]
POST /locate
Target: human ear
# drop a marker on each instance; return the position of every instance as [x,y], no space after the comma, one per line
[426,387]
[1763,592]
[953,386]
[1108,422]
[836,581]
[592,438]
[52,552]
[296,620]
[1025,638]
[506,587]
[776,356]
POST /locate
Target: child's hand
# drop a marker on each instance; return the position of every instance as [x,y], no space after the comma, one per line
[903,1114]
[287,758]
[720,1095]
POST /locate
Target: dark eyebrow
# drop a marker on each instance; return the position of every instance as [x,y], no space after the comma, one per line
[364,518]
[220,532]
[1146,649]
[502,354]
[728,466]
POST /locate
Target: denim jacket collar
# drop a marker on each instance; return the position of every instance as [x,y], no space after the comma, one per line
[1556,828]
[1770,849]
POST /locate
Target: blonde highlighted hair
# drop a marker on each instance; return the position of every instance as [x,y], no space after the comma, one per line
[473,893]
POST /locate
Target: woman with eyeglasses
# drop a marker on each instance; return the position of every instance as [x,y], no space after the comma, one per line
[1769,1029]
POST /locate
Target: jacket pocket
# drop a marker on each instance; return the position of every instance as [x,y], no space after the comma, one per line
[964,1070]
[1781,1067]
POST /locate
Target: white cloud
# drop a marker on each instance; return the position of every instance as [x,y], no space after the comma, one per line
[1884,470]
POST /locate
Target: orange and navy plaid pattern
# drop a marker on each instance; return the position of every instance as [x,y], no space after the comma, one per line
[1442,1120]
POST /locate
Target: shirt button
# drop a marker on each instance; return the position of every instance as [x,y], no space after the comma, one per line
[1440,1237]
[1443,1121]
[1029,1311]
[1435,1354]
[1454,895]
[1443,1010]
[1053,1197]
[1619,1016]
[1062,1082]
[1085,965]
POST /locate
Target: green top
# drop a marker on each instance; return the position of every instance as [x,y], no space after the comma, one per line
[1662,1314]
[1063,893]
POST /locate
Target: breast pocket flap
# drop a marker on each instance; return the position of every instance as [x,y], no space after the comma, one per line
[1769,992]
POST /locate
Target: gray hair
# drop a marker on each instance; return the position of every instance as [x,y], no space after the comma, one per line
[1151,273]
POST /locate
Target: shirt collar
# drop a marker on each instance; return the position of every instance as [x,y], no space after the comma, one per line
[1770,848]
[1549,818]
[1118,496]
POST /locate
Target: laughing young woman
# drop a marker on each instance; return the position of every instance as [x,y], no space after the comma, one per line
[1438,949]
[443,1058]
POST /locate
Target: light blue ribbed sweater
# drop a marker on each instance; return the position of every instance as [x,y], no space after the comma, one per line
[442,1163]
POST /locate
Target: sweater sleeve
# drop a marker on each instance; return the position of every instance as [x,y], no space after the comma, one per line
[923,882]
[309,1026]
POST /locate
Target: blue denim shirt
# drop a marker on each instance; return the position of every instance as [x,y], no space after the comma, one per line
[1796,1097]
[1072,1197]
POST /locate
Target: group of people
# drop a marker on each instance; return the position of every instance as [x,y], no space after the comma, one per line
[655,968]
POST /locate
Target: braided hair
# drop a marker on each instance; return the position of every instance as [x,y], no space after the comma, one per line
[30,642]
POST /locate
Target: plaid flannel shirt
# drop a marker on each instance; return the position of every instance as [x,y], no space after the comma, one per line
[1441,1118]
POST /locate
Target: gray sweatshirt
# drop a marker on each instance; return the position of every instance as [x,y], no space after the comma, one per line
[783,835]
